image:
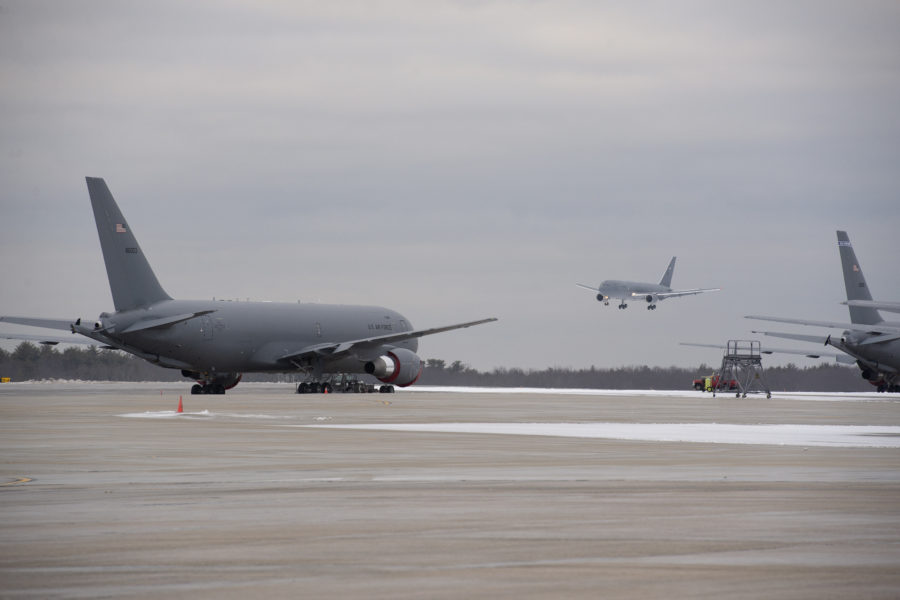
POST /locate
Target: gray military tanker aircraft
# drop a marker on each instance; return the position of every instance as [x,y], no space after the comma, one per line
[873,342]
[214,342]
[649,292]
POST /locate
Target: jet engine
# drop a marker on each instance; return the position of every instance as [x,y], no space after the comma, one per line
[399,366]
[601,298]
[652,298]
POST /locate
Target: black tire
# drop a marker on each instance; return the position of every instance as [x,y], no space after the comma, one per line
[196,389]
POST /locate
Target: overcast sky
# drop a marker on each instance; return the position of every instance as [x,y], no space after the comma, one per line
[459,160]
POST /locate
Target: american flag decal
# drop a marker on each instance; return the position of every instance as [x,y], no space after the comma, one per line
[120,228]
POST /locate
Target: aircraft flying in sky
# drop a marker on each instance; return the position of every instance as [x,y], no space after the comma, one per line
[872,341]
[651,293]
[214,342]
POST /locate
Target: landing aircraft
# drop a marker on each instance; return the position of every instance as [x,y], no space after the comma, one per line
[650,292]
[214,342]
[873,342]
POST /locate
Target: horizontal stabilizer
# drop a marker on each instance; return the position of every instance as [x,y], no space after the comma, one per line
[888,306]
[164,321]
[880,339]
[49,340]
[64,324]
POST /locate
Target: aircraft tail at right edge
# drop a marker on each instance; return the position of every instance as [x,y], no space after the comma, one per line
[855,283]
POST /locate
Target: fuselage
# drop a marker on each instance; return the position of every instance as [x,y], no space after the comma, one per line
[252,336]
[615,288]
[878,355]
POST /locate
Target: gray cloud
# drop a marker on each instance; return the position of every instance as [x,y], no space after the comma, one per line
[459,159]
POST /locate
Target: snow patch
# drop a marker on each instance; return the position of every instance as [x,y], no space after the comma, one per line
[848,436]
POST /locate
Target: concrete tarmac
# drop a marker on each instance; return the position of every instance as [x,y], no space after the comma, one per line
[106,493]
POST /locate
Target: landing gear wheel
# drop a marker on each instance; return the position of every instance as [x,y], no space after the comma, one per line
[196,389]
[302,388]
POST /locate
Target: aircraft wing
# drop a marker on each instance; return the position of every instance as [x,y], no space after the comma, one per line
[51,340]
[813,339]
[879,328]
[64,324]
[374,342]
[587,287]
[838,356]
[888,306]
[677,293]
[48,340]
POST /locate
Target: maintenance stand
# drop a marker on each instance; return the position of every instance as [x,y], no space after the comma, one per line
[742,362]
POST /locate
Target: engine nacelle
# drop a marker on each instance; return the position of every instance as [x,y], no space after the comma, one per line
[601,298]
[652,298]
[399,366]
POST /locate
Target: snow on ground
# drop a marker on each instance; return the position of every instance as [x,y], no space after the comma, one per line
[821,396]
[75,384]
[847,436]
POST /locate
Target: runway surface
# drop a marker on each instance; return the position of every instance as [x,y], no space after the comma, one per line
[105,491]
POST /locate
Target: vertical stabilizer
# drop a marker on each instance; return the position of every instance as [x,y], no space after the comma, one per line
[667,278]
[131,280]
[855,283]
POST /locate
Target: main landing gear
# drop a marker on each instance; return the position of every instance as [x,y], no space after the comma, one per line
[623,306]
[651,307]
[212,384]
[215,388]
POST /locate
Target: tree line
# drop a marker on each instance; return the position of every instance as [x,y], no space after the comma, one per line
[29,362]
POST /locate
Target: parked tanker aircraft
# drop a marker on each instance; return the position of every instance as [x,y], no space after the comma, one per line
[873,342]
[634,290]
[214,342]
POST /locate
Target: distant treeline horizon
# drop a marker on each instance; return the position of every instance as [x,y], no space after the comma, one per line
[29,362]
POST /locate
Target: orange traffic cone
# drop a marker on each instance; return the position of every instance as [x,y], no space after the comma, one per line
[180,406]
